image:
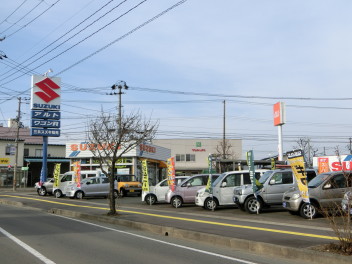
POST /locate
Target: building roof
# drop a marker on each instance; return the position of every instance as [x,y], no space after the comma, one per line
[10,133]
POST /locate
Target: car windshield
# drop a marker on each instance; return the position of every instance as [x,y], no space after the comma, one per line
[265,176]
[315,182]
[126,178]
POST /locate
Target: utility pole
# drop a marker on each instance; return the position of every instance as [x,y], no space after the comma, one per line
[309,152]
[119,85]
[18,118]
[224,131]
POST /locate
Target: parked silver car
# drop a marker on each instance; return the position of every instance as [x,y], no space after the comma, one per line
[346,203]
[273,184]
[45,188]
[93,186]
[223,189]
[186,192]
[326,192]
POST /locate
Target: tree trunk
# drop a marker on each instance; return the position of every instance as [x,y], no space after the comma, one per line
[112,199]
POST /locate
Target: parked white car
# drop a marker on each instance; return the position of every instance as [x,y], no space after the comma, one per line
[223,189]
[157,193]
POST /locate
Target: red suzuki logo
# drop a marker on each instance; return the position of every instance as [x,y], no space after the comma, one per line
[47,86]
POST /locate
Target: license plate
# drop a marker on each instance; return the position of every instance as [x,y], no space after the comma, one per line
[131,190]
[284,204]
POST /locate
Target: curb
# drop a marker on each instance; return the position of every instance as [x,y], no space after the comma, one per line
[307,255]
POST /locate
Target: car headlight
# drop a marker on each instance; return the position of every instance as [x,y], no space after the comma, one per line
[199,194]
[238,192]
[295,196]
[126,185]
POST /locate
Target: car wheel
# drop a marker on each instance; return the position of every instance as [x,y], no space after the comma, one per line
[252,205]
[57,194]
[150,199]
[79,195]
[176,201]
[42,191]
[211,204]
[308,211]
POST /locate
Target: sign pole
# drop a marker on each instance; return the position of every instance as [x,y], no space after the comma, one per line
[279,120]
[45,115]
[44,171]
[281,156]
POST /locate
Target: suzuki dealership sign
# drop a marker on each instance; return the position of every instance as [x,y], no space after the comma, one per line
[279,114]
[45,105]
[333,163]
[85,149]
[45,93]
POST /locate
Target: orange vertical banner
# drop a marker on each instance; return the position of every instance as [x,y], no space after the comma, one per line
[323,165]
[171,173]
[77,172]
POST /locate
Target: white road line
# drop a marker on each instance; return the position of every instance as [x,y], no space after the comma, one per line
[162,242]
[26,247]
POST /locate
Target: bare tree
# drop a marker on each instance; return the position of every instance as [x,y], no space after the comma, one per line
[110,138]
[349,146]
[224,150]
[339,218]
[308,150]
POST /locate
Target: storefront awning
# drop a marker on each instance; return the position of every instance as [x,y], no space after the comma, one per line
[48,160]
[162,164]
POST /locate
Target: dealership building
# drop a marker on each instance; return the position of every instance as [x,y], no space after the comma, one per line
[191,155]
[129,163]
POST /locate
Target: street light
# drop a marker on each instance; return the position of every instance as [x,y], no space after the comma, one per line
[119,85]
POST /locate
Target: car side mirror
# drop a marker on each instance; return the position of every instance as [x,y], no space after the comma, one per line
[223,184]
[272,182]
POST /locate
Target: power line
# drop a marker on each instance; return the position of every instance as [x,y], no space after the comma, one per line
[124,36]
[26,14]
[74,45]
[31,21]
[17,8]
[73,28]
[242,96]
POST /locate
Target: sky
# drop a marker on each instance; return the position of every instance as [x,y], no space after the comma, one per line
[181,60]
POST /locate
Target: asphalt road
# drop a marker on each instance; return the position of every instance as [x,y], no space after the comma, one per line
[32,236]
[274,226]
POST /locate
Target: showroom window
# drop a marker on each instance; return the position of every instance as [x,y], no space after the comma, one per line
[185,157]
[190,157]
